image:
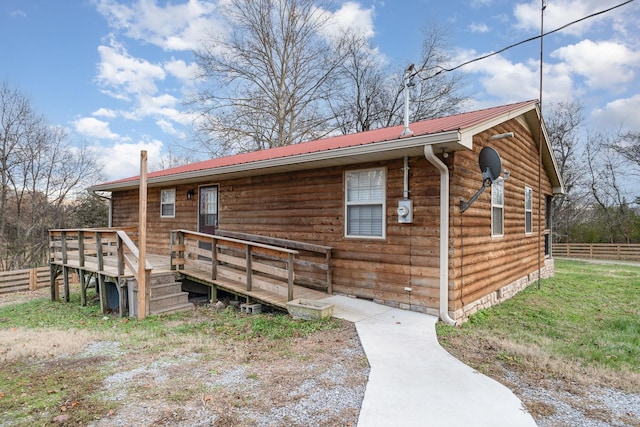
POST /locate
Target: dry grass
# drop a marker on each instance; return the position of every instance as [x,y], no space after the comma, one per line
[20,343]
[220,368]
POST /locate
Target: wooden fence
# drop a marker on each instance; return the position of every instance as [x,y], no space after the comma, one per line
[606,251]
[24,280]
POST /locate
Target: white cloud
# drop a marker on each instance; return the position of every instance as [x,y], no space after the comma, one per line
[480,3]
[178,68]
[18,13]
[352,17]
[121,72]
[105,112]
[123,160]
[604,64]
[94,128]
[479,28]
[562,12]
[621,113]
[168,128]
[505,81]
[177,27]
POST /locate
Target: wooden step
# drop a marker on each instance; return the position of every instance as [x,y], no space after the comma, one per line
[168,301]
[165,289]
[162,278]
[174,309]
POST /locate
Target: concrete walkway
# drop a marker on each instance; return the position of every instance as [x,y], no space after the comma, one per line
[414,381]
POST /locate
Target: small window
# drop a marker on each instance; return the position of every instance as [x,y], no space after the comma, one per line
[365,203]
[168,203]
[528,210]
[497,208]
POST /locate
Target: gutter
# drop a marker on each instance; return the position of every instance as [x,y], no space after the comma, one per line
[305,160]
[444,233]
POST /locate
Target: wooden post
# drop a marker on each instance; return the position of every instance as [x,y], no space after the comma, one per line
[33,279]
[290,277]
[83,282]
[214,259]
[142,238]
[249,267]
[329,279]
[65,273]
[81,249]
[172,254]
[83,288]
[100,282]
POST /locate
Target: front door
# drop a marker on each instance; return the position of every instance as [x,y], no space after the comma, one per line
[208,209]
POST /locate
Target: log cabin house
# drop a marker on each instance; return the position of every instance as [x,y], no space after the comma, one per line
[387,206]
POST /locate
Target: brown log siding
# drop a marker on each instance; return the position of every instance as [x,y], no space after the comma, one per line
[309,206]
[482,264]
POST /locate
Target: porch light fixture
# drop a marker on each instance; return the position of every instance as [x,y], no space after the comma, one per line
[190,194]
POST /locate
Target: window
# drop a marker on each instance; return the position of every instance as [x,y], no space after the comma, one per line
[497,208]
[528,210]
[365,203]
[168,203]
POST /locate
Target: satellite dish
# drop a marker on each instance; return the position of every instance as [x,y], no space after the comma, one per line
[490,164]
[491,168]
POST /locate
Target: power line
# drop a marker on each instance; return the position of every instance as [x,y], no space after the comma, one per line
[525,41]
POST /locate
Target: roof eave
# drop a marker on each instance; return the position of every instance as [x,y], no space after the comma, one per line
[449,140]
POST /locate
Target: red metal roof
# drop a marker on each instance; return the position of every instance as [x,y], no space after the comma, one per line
[427,127]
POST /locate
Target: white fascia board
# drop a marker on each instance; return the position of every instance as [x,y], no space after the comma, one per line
[467,134]
[306,158]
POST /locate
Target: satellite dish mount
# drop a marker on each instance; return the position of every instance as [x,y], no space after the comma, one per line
[491,168]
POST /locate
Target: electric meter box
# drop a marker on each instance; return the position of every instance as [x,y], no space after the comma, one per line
[405,211]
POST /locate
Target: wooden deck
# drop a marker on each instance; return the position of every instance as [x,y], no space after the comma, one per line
[254,271]
[276,297]
[228,281]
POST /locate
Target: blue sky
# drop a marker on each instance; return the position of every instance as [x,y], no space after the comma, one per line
[114,73]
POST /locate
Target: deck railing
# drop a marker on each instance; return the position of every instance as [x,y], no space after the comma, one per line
[255,264]
[606,251]
[312,265]
[106,252]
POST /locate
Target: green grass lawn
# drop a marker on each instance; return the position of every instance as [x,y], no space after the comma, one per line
[587,315]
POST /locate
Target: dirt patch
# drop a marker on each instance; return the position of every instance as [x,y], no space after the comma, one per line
[317,380]
[182,378]
[18,343]
[20,297]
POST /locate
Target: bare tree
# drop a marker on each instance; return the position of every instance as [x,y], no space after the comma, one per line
[613,211]
[629,147]
[361,105]
[564,122]
[373,92]
[17,121]
[269,79]
[40,171]
[438,93]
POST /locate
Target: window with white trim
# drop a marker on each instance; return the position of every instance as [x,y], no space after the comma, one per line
[365,203]
[168,203]
[528,210]
[497,208]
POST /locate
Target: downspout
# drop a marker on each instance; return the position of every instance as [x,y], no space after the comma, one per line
[444,233]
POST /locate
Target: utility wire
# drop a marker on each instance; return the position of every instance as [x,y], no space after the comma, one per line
[525,41]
